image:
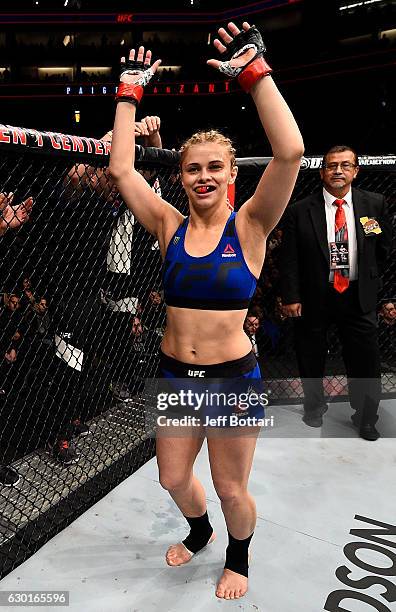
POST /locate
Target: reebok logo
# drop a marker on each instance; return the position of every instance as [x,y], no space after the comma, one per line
[228,251]
[176,239]
[200,373]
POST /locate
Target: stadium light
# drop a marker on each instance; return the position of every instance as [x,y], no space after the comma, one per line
[355,4]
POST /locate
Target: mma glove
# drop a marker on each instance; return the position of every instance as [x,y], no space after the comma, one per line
[256,68]
[133,92]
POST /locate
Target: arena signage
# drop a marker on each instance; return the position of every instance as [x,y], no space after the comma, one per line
[376,573]
[159,89]
[52,141]
[66,17]
[48,90]
[124,18]
[311,163]
[378,161]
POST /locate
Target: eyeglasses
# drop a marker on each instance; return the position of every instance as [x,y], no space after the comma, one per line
[344,166]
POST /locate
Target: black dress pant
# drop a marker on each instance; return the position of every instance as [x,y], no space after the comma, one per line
[359,338]
[80,383]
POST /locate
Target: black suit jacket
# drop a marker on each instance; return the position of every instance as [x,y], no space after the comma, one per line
[304,262]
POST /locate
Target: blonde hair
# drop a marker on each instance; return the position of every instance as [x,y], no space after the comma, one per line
[208,136]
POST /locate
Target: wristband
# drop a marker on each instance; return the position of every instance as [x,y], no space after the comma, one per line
[256,70]
[129,92]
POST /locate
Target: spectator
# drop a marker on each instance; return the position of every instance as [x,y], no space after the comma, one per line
[137,334]
[387,336]
[37,345]
[388,313]
[37,319]
[10,322]
[153,312]
[10,337]
[27,298]
[145,347]
[252,325]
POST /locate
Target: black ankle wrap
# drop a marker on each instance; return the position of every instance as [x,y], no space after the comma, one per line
[237,555]
[200,532]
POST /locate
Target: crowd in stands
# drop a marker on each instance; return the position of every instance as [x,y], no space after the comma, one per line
[25,55]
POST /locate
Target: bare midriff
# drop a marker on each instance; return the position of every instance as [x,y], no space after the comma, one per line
[205,337]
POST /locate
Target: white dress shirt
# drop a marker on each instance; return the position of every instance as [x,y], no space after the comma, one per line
[254,345]
[331,210]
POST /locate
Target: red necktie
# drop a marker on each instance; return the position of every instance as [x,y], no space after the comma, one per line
[341,282]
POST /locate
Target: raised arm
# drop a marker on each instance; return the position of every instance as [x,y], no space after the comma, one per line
[148,207]
[150,130]
[245,50]
[82,176]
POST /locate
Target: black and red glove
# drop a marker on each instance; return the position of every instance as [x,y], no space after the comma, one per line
[134,76]
[255,67]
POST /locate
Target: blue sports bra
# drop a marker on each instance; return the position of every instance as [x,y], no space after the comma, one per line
[218,281]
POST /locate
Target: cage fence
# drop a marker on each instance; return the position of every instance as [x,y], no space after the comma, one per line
[82,318]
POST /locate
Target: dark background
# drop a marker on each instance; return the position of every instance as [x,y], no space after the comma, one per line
[336,68]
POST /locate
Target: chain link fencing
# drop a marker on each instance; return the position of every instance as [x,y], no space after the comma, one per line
[82,317]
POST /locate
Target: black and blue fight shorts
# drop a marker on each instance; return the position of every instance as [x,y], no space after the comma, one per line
[228,394]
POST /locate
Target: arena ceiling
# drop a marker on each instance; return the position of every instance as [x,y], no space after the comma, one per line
[137,5]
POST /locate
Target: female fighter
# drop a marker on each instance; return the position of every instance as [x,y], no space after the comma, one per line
[212,262]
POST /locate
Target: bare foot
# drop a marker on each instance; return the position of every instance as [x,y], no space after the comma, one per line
[231,585]
[179,555]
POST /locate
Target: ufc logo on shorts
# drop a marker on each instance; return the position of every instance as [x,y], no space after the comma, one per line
[200,373]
